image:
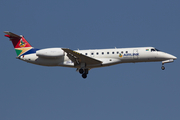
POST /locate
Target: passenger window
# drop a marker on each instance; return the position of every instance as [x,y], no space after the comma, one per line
[102,53]
[107,52]
[92,53]
[97,53]
[126,51]
[112,52]
[117,52]
[121,51]
[85,53]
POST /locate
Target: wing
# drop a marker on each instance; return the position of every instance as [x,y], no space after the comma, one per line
[79,58]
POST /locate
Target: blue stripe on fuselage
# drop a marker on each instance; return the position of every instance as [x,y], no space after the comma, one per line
[31,51]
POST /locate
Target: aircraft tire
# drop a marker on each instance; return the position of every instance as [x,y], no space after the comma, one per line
[84,75]
[81,71]
[163,68]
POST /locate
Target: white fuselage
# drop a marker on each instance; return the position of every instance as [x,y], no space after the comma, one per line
[107,56]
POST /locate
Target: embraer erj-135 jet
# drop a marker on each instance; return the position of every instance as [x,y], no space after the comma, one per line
[84,60]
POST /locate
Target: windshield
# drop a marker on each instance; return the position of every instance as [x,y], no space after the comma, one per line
[157,49]
[154,49]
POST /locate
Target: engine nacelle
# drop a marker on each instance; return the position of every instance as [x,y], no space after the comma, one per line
[50,52]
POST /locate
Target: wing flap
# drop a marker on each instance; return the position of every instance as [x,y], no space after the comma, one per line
[78,58]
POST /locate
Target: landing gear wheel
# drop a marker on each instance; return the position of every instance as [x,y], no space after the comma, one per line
[81,71]
[163,68]
[84,75]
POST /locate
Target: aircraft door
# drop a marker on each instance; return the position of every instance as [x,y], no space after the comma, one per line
[135,54]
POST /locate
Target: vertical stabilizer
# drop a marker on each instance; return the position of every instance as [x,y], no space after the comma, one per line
[19,42]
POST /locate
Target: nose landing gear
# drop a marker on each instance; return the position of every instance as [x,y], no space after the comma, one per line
[166,61]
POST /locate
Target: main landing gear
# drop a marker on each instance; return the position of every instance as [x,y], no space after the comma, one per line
[84,72]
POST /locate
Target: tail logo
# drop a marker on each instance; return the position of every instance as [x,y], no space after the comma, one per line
[22,43]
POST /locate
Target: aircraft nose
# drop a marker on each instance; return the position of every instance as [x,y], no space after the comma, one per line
[167,56]
[172,57]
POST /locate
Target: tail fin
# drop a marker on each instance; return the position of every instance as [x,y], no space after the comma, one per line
[19,42]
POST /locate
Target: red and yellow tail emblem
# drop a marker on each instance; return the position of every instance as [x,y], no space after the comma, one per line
[22,43]
[19,42]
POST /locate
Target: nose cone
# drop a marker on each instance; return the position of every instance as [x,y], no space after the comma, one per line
[169,56]
[166,56]
[174,57]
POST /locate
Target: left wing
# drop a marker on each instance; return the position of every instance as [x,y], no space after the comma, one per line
[79,58]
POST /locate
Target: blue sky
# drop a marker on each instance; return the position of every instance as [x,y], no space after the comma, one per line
[126,91]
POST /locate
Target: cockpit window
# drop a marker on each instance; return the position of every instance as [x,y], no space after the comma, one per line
[152,50]
[157,49]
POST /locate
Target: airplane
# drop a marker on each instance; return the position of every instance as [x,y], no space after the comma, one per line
[84,60]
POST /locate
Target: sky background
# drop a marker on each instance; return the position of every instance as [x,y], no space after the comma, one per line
[140,91]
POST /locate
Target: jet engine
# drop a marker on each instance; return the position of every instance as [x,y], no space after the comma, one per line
[50,52]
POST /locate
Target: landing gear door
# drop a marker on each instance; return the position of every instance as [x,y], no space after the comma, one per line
[135,54]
